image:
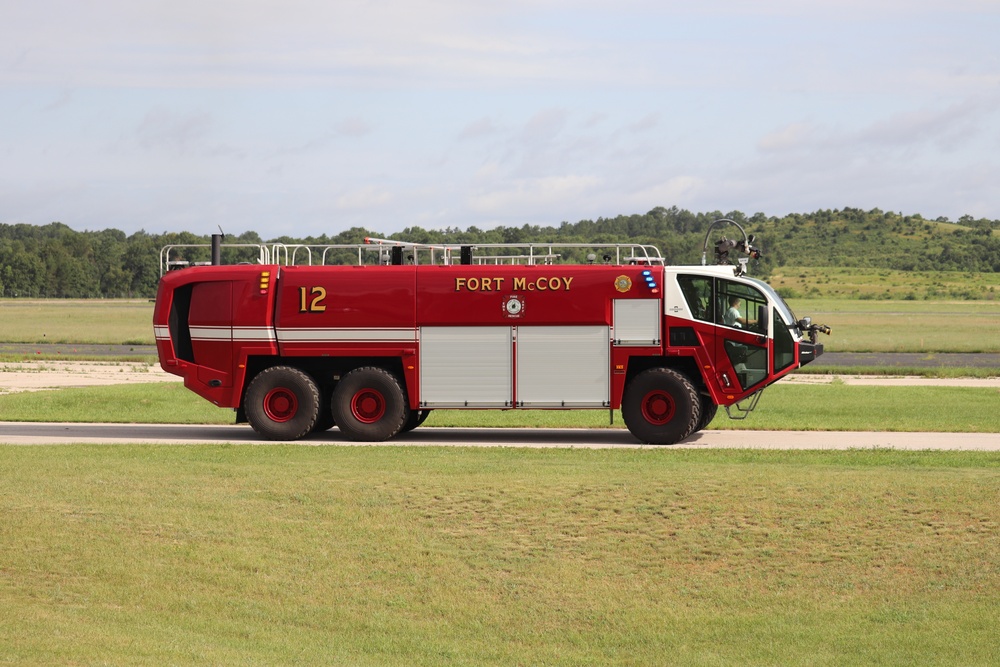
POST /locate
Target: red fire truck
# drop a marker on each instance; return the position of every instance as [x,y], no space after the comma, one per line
[374,347]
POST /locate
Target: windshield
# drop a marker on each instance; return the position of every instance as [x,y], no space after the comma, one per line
[779,303]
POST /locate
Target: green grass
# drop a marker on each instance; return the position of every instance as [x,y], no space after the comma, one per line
[831,407]
[882,284]
[827,407]
[427,556]
[905,326]
[858,325]
[82,321]
[953,372]
[153,403]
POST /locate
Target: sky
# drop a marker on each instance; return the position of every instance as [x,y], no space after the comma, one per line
[308,117]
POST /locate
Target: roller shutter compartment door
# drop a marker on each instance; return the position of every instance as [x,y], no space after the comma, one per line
[563,366]
[465,367]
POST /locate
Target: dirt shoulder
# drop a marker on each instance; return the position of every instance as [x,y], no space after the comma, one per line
[41,375]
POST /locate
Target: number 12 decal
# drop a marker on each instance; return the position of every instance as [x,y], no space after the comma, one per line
[316,305]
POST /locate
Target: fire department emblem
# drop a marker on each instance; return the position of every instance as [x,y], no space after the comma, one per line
[514,306]
[623,283]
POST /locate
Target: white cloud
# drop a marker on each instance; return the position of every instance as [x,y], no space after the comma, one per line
[478,129]
[353,127]
[794,136]
[163,128]
[526,195]
[365,198]
[544,126]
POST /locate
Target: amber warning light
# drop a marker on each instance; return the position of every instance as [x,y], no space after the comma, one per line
[265,281]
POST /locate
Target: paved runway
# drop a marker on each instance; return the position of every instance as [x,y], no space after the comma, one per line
[31,433]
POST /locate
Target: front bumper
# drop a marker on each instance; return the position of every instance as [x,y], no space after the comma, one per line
[808,352]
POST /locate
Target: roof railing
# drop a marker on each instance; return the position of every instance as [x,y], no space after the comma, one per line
[388,251]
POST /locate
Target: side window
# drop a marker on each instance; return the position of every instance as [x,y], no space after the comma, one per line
[784,344]
[697,292]
[741,307]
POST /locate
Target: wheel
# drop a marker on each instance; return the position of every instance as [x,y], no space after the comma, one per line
[368,404]
[708,410]
[282,403]
[661,406]
[416,418]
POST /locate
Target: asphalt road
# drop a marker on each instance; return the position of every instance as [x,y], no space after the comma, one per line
[30,433]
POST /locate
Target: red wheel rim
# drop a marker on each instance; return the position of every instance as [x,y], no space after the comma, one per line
[658,408]
[368,406]
[280,404]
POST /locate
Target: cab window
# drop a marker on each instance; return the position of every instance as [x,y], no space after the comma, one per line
[697,291]
[741,306]
[784,344]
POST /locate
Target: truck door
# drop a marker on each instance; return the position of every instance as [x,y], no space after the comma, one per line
[741,349]
[732,324]
[210,321]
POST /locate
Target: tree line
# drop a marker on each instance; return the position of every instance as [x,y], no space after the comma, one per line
[54,260]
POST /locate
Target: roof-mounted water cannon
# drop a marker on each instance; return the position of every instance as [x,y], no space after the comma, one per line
[807,328]
[724,245]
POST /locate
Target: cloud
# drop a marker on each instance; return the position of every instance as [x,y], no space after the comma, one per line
[544,126]
[353,127]
[365,198]
[538,194]
[795,136]
[483,127]
[947,128]
[647,122]
[163,128]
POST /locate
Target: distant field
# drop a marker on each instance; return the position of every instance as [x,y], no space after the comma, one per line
[114,321]
[859,325]
[867,284]
[905,326]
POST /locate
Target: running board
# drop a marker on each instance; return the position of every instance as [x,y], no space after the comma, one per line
[744,412]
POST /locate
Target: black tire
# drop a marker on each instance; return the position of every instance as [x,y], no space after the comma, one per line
[416,418]
[369,405]
[708,411]
[282,403]
[660,406]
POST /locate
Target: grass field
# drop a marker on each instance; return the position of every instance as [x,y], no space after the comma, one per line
[858,325]
[117,321]
[881,284]
[830,407]
[905,326]
[396,556]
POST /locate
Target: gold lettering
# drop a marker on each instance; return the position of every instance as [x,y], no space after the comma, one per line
[519,283]
[459,284]
[315,305]
[487,285]
[540,286]
[473,284]
[568,280]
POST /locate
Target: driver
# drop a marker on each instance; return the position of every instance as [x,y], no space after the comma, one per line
[732,317]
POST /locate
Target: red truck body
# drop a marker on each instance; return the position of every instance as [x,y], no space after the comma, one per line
[374,348]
